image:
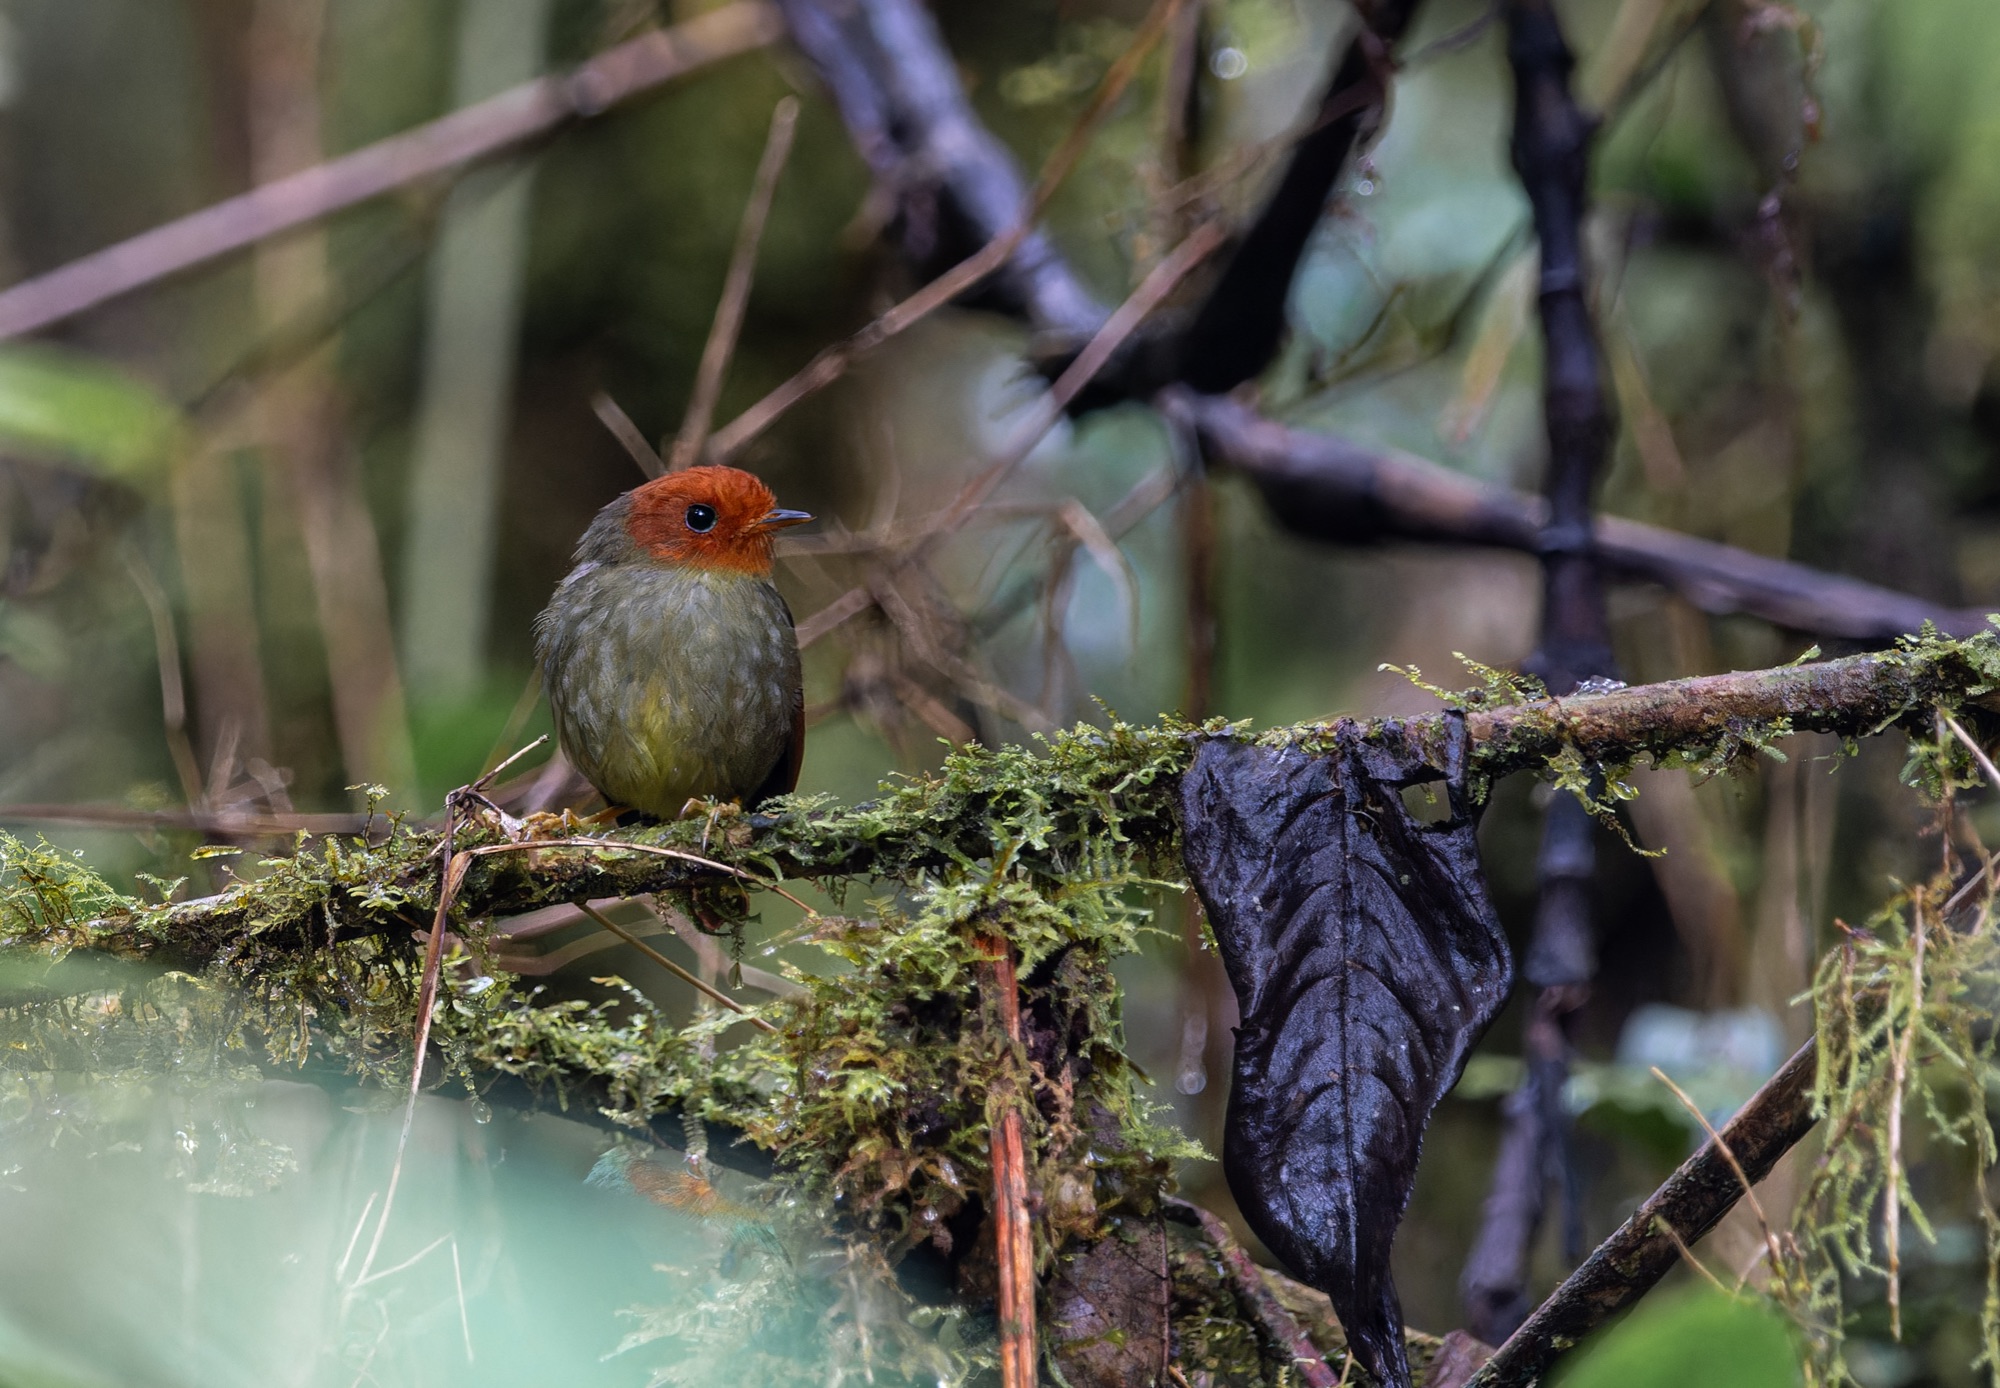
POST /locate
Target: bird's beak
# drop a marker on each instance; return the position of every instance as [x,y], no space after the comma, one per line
[780,520]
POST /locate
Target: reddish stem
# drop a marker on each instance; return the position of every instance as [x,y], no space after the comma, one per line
[1013,1239]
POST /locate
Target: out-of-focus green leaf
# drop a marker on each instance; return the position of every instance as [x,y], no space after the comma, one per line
[1943,114]
[1700,1337]
[32,639]
[79,409]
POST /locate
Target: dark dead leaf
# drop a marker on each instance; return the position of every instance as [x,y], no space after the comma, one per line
[1366,960]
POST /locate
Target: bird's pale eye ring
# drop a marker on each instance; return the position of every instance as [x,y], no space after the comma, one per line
[701,518]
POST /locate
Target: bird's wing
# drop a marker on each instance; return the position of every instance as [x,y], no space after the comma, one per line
[784,777]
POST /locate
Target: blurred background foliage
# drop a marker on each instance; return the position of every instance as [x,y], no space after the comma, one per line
[277,528]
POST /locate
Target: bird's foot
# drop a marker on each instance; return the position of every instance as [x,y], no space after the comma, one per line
[713,812]
[555,824]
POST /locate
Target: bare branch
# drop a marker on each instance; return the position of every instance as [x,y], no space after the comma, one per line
[1647,1245]
[1331,489]
[1014,240]
[722,333]
[956,188]
[480,131]
[636,446]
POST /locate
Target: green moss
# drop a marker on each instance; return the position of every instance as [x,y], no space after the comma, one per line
[876,1088]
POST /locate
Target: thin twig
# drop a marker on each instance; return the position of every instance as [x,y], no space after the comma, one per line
[1978,752]
[173,686]
[1147,495]
[480,131]
[628,435]
[832,362]
[403,1266]
[517,719]
[340,1269]
[1742,1179]
[700,985]
[487,778]
[1899,1067]
[705,948]
[464,1321]
[1687,1256]
[1202,242]
[453,874]
[729,310]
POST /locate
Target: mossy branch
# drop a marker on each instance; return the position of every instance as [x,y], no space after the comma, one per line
[1039,808]
[1690,721]
[872,1089]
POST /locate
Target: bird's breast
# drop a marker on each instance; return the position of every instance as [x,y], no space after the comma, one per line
[669,683]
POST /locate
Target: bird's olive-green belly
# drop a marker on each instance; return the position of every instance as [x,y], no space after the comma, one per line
[668,686]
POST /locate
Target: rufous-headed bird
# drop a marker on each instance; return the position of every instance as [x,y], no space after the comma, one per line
[668,656]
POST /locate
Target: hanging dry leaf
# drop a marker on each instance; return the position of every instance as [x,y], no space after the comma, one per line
[1366,960]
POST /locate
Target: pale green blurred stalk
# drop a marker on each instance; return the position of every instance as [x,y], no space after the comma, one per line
[300,420]
[472,323]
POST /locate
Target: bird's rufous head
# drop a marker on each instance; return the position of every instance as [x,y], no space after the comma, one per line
[714,517]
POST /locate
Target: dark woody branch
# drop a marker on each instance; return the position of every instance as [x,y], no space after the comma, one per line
[1649,1243]
[1236,331]
[1551,152]
[1240,321]
[1329,488]
[953,186]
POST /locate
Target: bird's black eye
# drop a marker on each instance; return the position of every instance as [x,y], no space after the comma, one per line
[700,518]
